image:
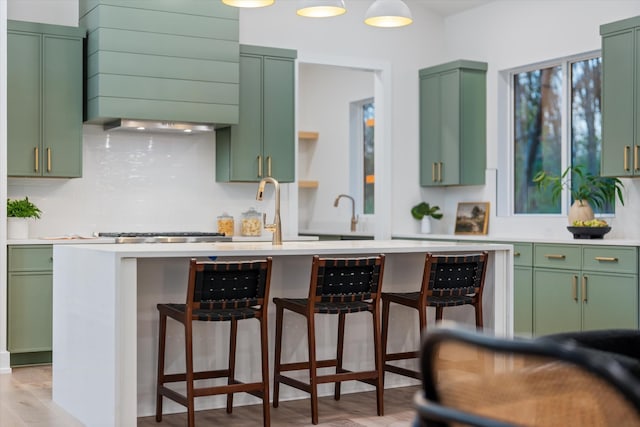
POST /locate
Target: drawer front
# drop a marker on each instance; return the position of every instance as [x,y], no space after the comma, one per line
[557,256]
[614,259]
[30,258]
[523,254]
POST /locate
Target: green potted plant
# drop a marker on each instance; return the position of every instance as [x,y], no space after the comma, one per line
[18,212]
[587,190]
[424,212]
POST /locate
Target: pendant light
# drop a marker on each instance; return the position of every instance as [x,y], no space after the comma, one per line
[320,8]
[388,13]
[248,3]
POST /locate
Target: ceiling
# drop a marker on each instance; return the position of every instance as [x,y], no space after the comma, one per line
[449,7]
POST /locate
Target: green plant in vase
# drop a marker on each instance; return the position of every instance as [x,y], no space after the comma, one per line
[18,212]
[424,212]
[587,190]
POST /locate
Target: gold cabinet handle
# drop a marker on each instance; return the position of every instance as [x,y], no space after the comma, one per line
[516,254]
[440,172]
[48,159]
[606,259]
[555,256]
[269,166]
[625,159]
[433,172]
[584,288]
[259,166]
[36,158]
[574,288]
[635,157]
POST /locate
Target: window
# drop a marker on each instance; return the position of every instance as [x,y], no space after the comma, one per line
[362,148]
[556,123]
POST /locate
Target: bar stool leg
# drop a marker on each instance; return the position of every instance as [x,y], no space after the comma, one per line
[162,331]
[438,313]
[277,356]
[188,335]
[377,348]
[233,334]
[385,330]
[264,347]
[479,320]
[312,367]
[340,352]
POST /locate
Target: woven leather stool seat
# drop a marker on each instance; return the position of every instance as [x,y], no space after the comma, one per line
[217,292]
[338,286]
[447,281]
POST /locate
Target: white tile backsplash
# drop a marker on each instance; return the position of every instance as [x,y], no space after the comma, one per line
[138,182]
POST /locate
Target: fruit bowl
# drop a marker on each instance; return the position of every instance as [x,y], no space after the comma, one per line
[588,232]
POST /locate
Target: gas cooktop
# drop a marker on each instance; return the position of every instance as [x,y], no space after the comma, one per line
[166,237]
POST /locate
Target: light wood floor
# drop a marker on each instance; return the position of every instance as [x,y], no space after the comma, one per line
[25,400]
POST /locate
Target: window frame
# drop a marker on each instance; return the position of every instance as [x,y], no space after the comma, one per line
[506,179]
[356,155]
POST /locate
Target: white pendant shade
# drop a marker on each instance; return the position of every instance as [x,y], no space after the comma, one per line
[320,8]
[388,13]
[248,3]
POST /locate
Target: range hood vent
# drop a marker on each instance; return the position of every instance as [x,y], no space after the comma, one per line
[157,126]
[161,61]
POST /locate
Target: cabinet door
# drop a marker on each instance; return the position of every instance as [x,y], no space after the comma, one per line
[23,101]
[29,312]
[62,107]
[618,114]
[450,128]
[278,118]
[430,156]
[523,300]
[246,138]
[556,301]
[609,301]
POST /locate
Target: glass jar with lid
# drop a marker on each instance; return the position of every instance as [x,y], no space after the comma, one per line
[226,224]
[251,223]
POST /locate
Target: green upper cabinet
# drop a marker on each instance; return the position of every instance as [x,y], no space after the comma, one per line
[621,98]
[44,100]
[453,124]
[263,143]
[161,60]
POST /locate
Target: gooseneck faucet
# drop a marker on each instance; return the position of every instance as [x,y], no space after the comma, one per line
[354,220]
[276,227]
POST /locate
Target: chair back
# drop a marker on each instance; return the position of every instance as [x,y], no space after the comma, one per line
[475,379]
[228,285]
[454,275]
[346,280]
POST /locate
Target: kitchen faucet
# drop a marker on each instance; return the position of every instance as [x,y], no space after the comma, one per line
[354,220]
[276,227]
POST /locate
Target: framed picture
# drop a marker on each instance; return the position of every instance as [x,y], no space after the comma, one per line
[472,218]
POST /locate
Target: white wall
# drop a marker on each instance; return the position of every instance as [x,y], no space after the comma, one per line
[525,32]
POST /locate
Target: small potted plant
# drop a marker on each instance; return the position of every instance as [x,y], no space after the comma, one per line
[587,190]
[424,212]
[18,212]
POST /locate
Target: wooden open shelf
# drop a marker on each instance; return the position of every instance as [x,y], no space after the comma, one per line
[307,135]
[308,184]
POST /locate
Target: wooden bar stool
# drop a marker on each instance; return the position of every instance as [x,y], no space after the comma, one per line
[338,286]
[217,291]
[447,281]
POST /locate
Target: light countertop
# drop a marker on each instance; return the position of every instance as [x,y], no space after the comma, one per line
[565,238]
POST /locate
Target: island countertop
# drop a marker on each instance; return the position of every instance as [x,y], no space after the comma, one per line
[105,321]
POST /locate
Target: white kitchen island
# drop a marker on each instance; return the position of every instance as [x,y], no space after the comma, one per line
[105,322]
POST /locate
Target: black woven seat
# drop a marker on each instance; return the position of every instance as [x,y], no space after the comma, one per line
[447,281]
[338,286]
[216,292]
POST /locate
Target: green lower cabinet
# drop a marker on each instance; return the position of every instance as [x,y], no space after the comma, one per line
[522,300]
[609,302]
[556,302]
[584,287]
[29,296]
